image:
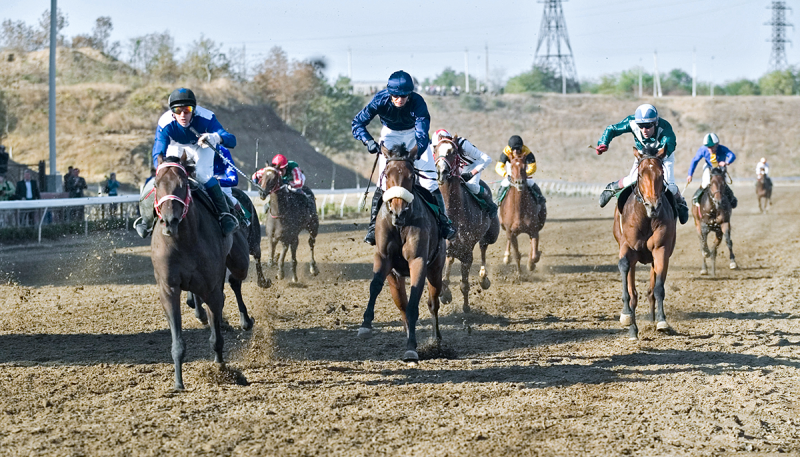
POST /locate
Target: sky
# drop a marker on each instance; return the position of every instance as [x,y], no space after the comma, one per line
[729,38]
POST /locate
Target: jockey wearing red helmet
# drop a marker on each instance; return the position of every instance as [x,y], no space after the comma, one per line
[291,176]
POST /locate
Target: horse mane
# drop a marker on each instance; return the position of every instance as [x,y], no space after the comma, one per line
[398,150]
[717,171]
[172,159]
[650,151]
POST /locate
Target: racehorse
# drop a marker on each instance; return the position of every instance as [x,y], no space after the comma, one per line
[407,244]
[645,228]
[473,225]
[245,239]
[764,192]
[288,214]
[190,253]
[714,215]
[521,213]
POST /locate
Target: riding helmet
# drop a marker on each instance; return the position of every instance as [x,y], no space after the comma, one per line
[439,134]
[515,142]
[279,161]
[711,139]
[400,84]
[646,114]
[182,97]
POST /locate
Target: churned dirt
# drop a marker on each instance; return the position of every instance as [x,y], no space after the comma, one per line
[538,368]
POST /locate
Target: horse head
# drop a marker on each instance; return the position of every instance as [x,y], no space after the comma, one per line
[717,185]
[173,195]
[400,176]
[448,160]
[517,172]
[650,184]
[270,181]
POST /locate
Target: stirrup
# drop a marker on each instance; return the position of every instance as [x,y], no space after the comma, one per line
[141,227]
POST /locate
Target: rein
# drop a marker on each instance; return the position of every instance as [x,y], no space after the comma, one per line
[273,189]
[186,202]
[637,191]
[457,162]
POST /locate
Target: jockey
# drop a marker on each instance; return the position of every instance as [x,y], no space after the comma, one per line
[228,178]
[174,138]
[762,168]
[647,128]
[714,155]
[405,120]
[292,177]
[476,161]
[516,146]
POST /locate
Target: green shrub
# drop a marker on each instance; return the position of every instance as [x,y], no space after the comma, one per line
[471,102]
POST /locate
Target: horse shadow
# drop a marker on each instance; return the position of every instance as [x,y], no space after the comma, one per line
[740,316]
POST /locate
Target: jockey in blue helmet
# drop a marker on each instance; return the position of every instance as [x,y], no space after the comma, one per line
[647,129]
[405,120]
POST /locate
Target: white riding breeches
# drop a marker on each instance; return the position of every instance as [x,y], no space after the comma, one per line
[391,138]
[505,182]
[474,184]
[202,157]
[669,174]
[706,176]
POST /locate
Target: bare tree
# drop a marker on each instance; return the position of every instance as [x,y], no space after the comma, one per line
[17,36]
[154,55]
[42,35]
[290,86]
[205,60]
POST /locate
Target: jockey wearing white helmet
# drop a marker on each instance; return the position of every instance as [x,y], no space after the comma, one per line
[475,161]
[713,155]
[647,128]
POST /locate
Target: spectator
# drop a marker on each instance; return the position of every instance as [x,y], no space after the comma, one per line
[111,185]
[27,189]
[77,184]
[6,189]
[67,179]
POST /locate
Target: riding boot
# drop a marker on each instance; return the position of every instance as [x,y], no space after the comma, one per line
[143,228]
[731,198]
[144,224]
[486,195]
[312,201]
[227,221]
[537,193]
[611,189]
[446,229]
[683,210]
[244,215]
[697,194]
[377,201]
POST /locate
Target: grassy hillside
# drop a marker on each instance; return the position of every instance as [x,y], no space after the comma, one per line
[559,130]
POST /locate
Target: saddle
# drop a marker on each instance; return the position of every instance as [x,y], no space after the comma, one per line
[623,194]
[428,198]
[481,202]
[504,191]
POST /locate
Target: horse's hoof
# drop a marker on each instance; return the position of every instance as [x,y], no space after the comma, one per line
[280,276]
[364,333]
[703,272]
[531,266]
[411,357]
[625,319]
[295,280]
[734,266]
[314,270]
[505,259]
[466,309]
[662,326]
[446,296]
[264,283]
[485,283]
[246,321]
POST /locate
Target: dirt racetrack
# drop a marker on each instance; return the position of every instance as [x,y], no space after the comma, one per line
[539,368]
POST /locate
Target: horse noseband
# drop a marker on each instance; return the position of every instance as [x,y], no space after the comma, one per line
[185,202]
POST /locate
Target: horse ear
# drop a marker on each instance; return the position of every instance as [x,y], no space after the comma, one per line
[413,152]
[183,157]
[637,153]
[384,150]
[160,158]
[662,152]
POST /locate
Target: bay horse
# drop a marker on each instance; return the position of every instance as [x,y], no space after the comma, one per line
[189,253]
[246,239]
[473,225]
[407,245]
[714,215]
[521,213]
[288,215]
[645,228]
[764,192]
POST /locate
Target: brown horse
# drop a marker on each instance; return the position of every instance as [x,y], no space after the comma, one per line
[473,225]
[407,244]
[190,253]
[288,215]
[521,213]
[645,228]
[764,192]
[714,215]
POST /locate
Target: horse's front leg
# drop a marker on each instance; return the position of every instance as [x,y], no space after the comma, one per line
[658,278]
[627,270]
[215,303]
[380,270]
[312,240]
[536,254]
[713,256]
[418,269]
[703,234]
[397,287]
[726,229]
[512,238]
[244,318]
[194,302]
[447,295]
[272,242]
[282,258]
[434,290]
[294,259]
[263,281]
[171,302]
[466,265]
[484,275]
[507,254]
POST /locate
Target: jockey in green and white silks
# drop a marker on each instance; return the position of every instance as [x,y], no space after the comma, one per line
[647,129]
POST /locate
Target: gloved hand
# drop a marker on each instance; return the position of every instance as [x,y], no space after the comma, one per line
[601,148]
[373,147]
[212,139]
[466,176]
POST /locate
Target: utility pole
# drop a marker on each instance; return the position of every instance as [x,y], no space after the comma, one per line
[712,76]
[777,58]
[244,61]
[486,79]
[466,70]
[350,65]
[52,94]
[557,52]
[694,72]
[656,78]
[640,78]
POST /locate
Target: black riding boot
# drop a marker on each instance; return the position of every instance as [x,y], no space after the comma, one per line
[486,195]
[537,193]
[446,229]
[312,201]
[227,221]
[731,198]
[683,210]
[696,198]
[377,201]
[611,189]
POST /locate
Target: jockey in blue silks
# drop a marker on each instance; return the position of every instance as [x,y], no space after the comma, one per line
[174,138]
[714,155]
[405,120]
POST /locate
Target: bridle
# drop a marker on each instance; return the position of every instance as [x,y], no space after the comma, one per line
[637,191]
[185,202]
[520,182]
[457,161]
[273,189]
